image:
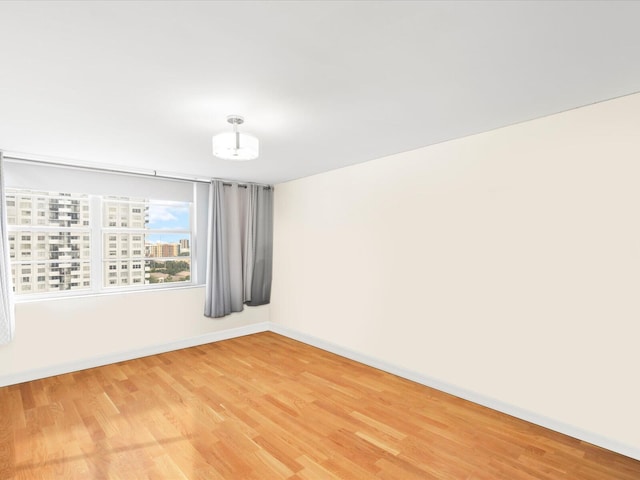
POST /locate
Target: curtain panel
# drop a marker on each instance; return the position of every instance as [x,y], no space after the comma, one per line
[239,247]
[7,311]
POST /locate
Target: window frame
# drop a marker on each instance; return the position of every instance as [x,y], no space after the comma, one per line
[110,230]
[34,231]
[97,261]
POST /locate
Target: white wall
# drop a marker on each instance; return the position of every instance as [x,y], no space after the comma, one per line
[505,265]
[62,335]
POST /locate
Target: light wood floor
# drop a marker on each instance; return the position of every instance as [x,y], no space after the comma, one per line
[267,407]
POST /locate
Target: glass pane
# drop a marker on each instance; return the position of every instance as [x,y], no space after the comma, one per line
[51,277]
[123,245]
[138,213]
[27,207]
[34,245]
[169,216]
[118,245]
[125,212]
[124,273]
[167,271]
[160,245]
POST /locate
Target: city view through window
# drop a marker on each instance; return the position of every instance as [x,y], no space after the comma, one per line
[53,245]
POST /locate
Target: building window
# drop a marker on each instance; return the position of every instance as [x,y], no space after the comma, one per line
[147,236]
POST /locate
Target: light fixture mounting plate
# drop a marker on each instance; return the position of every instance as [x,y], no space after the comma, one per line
[235,119]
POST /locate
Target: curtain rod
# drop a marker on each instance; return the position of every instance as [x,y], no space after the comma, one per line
[228,183]
[20,158]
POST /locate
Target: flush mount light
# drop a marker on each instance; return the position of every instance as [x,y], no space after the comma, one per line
[235,145]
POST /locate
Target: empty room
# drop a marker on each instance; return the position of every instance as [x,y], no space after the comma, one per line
[320,240]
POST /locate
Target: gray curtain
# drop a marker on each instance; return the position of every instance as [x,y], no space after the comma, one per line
[7,313]
[262,247]
[240,245]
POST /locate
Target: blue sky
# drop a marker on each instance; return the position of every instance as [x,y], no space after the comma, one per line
[165,216]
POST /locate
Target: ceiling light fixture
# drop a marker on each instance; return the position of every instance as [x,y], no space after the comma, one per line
[235,145]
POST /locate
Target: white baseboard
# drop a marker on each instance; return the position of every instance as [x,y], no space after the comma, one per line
[492,403]
[131,354]
[457,391]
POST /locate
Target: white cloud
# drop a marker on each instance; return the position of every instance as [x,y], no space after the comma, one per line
[167,213]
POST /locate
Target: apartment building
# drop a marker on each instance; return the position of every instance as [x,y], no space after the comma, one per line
[184,245]
[51,241]
[123,247]
[50,251]
[164,250]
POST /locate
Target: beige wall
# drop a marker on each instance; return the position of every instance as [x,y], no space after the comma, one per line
[74,333]
[506,264]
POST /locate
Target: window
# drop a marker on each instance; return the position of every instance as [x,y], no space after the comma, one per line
[108,214]
[140,242]
[161,227]
[53,255]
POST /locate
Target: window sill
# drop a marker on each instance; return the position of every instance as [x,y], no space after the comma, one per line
[48,298]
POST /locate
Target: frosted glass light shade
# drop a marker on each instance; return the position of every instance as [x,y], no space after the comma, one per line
[224,146]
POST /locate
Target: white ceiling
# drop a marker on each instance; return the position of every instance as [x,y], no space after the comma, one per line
[322,84]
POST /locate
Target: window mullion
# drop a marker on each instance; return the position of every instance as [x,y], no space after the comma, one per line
[193,247]
[97,276]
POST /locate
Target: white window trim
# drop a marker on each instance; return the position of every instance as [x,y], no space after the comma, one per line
[96,230]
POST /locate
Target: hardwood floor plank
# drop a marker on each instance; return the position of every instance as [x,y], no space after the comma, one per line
[266,407]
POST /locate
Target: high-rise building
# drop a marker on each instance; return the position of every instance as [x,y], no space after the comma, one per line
[125,212]
[46,259]
[124,252]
